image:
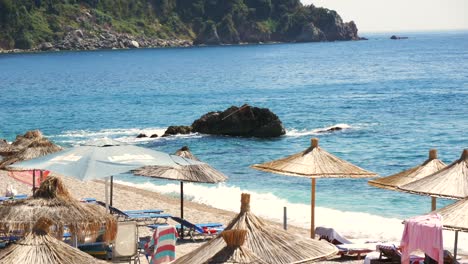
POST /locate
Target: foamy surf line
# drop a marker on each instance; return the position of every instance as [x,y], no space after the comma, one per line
[356,225]
[304,132]
[127,135]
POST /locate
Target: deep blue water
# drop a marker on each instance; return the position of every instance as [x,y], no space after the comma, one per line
[400,99]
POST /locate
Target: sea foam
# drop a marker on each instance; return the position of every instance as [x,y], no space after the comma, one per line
[304,132]
[128,135]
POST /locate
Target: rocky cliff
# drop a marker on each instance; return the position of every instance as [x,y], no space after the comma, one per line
[107,24]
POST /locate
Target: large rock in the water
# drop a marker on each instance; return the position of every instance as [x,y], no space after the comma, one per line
[243,121]
[174,130]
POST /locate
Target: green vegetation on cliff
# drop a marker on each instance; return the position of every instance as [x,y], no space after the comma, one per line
[24,24]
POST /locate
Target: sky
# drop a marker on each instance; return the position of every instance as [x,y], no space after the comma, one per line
[400,15]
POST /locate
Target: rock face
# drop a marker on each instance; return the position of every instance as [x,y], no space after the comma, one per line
[174,130]
[245,121]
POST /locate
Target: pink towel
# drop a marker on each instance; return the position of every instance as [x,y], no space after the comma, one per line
[423,233]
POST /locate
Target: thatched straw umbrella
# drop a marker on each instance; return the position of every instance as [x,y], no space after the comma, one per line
[52,200]
[201,173]
[38,247]
[271,244]
[234,251]
[428,167]
[455,217]
[29,146]
[313,163]
[450,182]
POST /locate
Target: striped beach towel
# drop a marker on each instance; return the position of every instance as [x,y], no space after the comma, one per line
[163,241]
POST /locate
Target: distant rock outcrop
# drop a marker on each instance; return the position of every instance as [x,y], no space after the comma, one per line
[397,37]
[245,121]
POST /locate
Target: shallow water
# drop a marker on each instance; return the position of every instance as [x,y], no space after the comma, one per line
[396,99]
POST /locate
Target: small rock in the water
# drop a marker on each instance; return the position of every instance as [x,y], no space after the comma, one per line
[337,128]
[141,135]
[174,130]
[154,136]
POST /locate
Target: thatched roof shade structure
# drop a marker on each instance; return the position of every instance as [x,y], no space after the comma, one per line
[428,167]
[38,247]
[52,200]
[29,146]
[314,162]
[235,252]
[202,173]
[269,243]
[455,216]
[450,182]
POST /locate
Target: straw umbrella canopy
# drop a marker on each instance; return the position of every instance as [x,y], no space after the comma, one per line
[234,251]
[314,162]
[428,167]
[52,200]
[450,182]
[201,173]
[455,217]
[270,243]
[29,146]
[38,247]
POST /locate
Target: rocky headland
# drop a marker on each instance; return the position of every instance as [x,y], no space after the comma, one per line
[50,25]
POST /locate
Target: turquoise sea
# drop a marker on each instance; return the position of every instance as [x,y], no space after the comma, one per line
[395,99]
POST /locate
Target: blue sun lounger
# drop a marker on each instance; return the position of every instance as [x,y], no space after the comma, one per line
[137,215]
[118,211]
[13,198]
[199,229]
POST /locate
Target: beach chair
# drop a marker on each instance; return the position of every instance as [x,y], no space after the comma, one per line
[100,250]
[13,198]
[125,247]
[330,235]
[137,215]
[345,246]
[390,254]
[200,229]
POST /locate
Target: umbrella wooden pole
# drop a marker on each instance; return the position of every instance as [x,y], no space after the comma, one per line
[455,248]
[182,207]
[111,189]
[433,203]
[34,182]
[312,213]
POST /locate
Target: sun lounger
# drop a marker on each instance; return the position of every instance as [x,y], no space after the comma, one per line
[99,250]
[391,254]
[12,198]
[200,229]
[330,235]
[145,211]
[137,215]
[356,249]
[344,245]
